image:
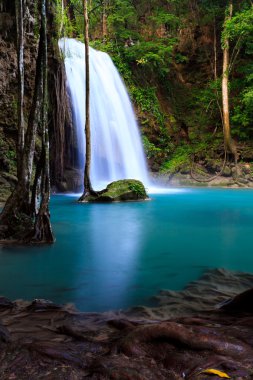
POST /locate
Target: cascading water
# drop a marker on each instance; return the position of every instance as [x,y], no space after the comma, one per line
[117,152]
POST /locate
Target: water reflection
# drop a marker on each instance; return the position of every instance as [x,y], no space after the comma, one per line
[115,233]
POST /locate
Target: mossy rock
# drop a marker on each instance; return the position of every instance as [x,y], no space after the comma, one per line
[120,191]
[227,172]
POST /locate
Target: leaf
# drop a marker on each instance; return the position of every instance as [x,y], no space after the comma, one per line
[212,371]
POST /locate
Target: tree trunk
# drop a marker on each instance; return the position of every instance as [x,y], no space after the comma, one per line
[20,55]
[42,227]
[228,142]
[87,182]
[104,21]
[215,49]
[33,121]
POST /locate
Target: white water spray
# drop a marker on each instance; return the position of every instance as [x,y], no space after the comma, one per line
[117,152]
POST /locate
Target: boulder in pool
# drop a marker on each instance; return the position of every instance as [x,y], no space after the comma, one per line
[120,191]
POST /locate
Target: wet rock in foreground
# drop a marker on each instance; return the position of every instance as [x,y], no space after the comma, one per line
[41,340]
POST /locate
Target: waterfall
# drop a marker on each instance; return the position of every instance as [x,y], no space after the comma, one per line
[117,151]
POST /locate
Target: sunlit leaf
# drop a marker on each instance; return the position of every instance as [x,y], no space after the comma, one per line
[216,372]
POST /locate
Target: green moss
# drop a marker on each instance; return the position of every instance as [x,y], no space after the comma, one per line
[138,189]
[180,158]
[122,190]
[117,188]
[5,192]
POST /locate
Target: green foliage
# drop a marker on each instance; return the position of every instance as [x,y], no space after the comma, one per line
[181,157]
[150,149]
[147,100]
[180,58]
[162,17]
[11,155]
[36,29]
[122,19]
[242,115]
[157,54]
[144,97]
[183,154]
[203,102]
[64,25]
[247,99]
[240,25]
[138,189]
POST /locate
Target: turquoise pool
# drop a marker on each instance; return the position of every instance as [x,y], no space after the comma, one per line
[112,256]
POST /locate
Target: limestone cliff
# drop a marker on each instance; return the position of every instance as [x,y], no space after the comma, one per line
[8,86]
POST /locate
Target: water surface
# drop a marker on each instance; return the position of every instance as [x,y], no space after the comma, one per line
[120,255]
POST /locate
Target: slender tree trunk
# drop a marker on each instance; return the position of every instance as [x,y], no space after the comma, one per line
[33,120]
[42,227]
[104,21]
[225,90]
[33,206]
[20,53]
[62,17]
[215,49]
[87,182]
[228,142]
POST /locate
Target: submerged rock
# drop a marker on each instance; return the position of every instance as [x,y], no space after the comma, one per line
[119,191]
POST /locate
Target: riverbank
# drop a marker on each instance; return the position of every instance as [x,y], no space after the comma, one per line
[212,176]
[41,340]
[185,180]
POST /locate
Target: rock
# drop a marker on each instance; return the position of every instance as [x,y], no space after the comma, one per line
[62,187]
[227,172]
[213,166]
[236,172]
[240,303]
[244,181]
[3,181]
[4,334]
[5,165]
[246,169]
[74,179]
[10,178]
[5,303]
[118,191]
[43,305]
[185,170]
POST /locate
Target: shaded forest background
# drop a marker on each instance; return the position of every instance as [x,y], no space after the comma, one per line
[170,54]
